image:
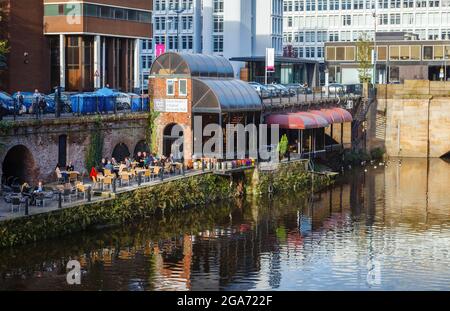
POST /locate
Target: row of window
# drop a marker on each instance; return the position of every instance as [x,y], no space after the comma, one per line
[95,10]
[171,23]
[308,52]
[187,42]
[396,53]
[300,37]
[171,85]
[162,5]
[333,5]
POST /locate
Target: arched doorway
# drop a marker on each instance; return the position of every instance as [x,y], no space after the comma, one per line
[19,166]
[173,142]
[120,152]
[141,146]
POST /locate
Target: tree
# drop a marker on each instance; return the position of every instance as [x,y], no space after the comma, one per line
[283,146]
[364,55]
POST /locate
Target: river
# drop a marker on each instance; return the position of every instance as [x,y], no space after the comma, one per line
[387,228]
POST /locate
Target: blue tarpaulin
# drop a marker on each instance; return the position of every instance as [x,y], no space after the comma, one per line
[139,104]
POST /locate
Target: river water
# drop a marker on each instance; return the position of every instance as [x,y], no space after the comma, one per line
[384,229]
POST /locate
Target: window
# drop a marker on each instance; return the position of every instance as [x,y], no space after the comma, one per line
[331,53]
[408,3]
[218,6]
[182,87]
[394,52]
[347,20]
[395,4]
[170,87]
[427,52]
[346,4]
[395,19]
[218,23]
[218,44]
[383,19]
[415,52]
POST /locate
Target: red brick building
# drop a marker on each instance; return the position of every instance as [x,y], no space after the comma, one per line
[183,86]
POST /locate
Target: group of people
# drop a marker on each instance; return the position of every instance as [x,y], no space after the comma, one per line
[64,171]
[39,104]
[32,192]
[141,160]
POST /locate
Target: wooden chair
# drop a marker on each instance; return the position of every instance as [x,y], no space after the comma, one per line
[156,171]
[15,203]
[107,172]
[125,178]
[147,175]
[107,182]
[81,188]
[73,177]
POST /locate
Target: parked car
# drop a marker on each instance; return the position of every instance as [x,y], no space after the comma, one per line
[355,89]
[262,91]
[334,88]
[297,87]
[274,91]
[283,90]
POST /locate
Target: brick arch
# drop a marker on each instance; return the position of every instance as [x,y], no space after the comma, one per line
[19,165]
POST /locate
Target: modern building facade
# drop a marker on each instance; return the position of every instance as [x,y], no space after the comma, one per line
[217,27]
[78,45]
[96,43]
[398,60]
[308,24]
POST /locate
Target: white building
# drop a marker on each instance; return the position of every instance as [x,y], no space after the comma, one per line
[146,53]
[310,23]
[229,28]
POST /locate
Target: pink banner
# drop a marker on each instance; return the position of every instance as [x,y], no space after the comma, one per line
[160,49]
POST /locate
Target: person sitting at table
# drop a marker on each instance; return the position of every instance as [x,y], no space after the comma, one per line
[58,172]
[142,160]
[70,167]
[114,162]
[93,175]
[101,166]
[109,166]
[150,160]
[170,159]
[127,162]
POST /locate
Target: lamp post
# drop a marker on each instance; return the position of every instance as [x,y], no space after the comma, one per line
[374,54]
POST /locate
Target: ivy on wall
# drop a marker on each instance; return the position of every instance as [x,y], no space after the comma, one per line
[94,153]
[150,134]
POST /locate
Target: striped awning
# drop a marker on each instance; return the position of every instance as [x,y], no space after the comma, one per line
[297,121]
[310,119]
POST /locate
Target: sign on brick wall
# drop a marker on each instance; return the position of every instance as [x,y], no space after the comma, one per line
[171,105]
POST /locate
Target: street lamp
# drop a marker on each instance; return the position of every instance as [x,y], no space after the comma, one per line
[374,57]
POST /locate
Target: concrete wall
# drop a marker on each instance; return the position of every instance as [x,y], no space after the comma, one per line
[417,118]
[42,141]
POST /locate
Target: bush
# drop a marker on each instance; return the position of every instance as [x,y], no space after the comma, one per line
[377,153]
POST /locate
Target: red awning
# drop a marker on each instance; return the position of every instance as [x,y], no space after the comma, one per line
[297,121]
[346,116]
[334,115]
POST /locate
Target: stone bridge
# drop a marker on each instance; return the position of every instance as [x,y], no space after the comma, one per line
[31,149]
[411,119]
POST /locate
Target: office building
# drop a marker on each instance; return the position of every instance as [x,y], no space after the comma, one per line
[308,24]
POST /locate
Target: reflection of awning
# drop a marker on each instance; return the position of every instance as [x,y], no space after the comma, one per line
[297,121]
[310,120]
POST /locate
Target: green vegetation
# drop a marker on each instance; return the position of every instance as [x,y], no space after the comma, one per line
[95,150]
[5,127]
[283,146]
[377,153]
[364,56]
[4,49]
[151,130]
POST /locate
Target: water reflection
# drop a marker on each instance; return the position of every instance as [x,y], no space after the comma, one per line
[388,228]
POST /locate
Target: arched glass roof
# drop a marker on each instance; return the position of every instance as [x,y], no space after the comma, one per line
[196,65]
[223,95]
